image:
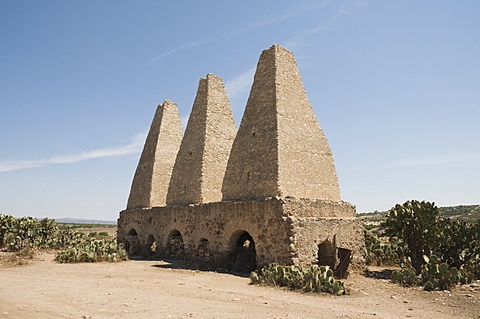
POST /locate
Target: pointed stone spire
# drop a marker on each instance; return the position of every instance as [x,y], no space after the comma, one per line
[200,165]
[150,183]
[280,149]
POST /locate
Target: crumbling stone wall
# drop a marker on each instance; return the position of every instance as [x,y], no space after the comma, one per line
[279,227]
[311,232]
[221,223]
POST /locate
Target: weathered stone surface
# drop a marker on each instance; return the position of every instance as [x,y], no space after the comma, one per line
[281,198]
[200,165]
[150,183]
[280,149]
[280,229]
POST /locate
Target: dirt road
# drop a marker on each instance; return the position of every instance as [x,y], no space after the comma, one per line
[150,289]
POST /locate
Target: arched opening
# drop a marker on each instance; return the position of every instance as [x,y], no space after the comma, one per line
[326,254]
[131,242]
[174,247]
[243,257]
[151,244]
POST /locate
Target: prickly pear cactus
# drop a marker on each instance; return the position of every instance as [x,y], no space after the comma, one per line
[307,278]
[438,275]
[406,277]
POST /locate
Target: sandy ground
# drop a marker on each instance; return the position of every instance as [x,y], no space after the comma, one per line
[152,289]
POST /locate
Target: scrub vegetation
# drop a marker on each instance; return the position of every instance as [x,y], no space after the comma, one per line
[432,251]
[27,235]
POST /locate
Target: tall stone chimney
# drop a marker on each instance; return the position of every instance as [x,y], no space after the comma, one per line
[280,149]
[200,165]
[154,170]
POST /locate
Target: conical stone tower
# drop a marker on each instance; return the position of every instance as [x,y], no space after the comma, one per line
[280,149]
[200,165]
[281,200]
[150,183]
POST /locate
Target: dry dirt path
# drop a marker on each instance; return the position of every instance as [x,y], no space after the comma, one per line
[146,289]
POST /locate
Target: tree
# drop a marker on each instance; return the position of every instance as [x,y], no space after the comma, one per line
[415,224]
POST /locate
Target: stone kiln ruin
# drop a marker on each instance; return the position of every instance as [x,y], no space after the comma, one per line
[223,198]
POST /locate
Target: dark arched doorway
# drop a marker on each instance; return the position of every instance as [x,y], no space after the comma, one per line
[130,242]
[151,245]
[242,257]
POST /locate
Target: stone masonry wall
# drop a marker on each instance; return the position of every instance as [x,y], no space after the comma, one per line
[280,149]
[154,169]
[252,169]
[303,207]
[344,232]
[267,193]
[221,223]
[278,226]
[306,165]
[201,161]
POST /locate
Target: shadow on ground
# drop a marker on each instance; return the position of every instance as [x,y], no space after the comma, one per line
[378,274]
[186,265]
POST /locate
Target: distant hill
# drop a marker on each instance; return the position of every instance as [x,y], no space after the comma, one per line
[465,212]
[462,212]
[84,221]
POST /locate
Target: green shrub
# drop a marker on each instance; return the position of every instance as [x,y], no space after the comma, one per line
[407,277]
[436,275]
[414,223]
[444,252]
[93,250]
[378,252]
[27,234]
[306,278]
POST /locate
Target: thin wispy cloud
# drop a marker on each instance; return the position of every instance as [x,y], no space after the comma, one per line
[301,39]
[180,47]
[260,24]
[239,84]
[134,147]
[434,160]
[161,56]
[282,17]
[347,7]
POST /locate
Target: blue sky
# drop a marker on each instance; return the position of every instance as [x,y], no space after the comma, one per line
[395,86]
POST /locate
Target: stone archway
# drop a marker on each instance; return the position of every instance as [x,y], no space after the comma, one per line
[243,256]
[174,247]
[130,242]
[151,245]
